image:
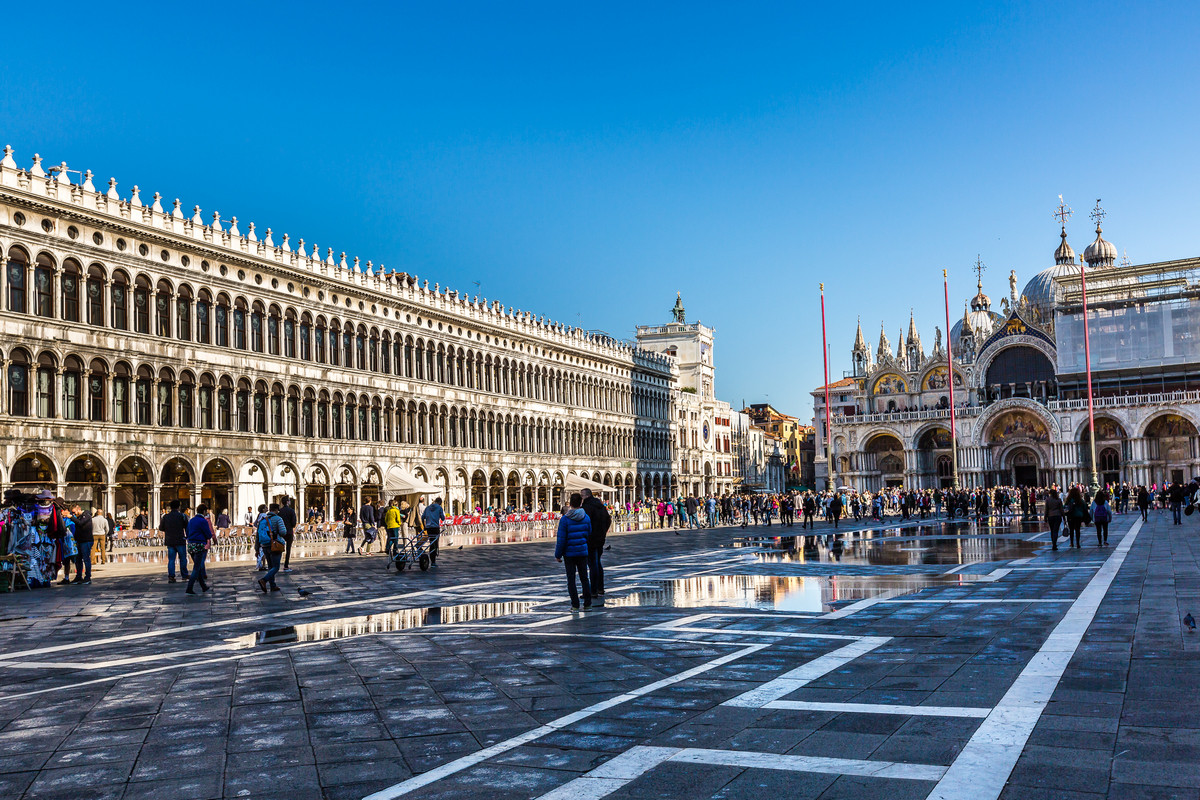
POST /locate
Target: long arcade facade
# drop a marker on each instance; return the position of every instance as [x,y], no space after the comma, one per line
[147,356]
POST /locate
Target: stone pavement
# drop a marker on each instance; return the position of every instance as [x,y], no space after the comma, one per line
[926,662]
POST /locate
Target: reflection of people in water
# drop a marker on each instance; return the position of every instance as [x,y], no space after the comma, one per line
[838,547]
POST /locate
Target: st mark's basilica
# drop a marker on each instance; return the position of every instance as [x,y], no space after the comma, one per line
[1020,386]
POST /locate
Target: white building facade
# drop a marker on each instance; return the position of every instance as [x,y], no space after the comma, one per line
[703,424]
[149,354]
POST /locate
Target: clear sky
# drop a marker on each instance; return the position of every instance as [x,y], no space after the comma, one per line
[587,161]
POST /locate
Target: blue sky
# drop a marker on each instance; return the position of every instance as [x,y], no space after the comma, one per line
[588,161]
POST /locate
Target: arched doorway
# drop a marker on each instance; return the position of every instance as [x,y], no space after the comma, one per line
[885,457]
[1170,448]
[316,493]
[372,486]
[1011,464]
[176,484]
[33,473]
[133,488]
[933,447]
[343,490]
[512,491]
[251,487]
[216,490]
[1112,446]
[1022,467]
[86,479]
[478,490]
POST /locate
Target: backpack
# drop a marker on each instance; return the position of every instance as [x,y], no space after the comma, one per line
[264,530]
[1102,513]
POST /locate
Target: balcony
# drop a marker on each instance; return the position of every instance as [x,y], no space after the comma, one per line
[909,416]
[1119,401]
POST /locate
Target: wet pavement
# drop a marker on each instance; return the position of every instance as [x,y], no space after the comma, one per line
[925,660]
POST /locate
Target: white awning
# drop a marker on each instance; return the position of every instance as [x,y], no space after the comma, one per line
[574,483]
[399,481]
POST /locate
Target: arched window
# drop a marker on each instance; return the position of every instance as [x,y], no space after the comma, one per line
[277,410]
[221,322]
[143,400]
[95,391]
[305,339]
[162,310]
[187,394]
[260,408]
[348,346]
[273,333]
[306,413]
[225,403]
[239,326]
[43,286]
[141,305]
[120,301]
[18,384]
[166,390]
[18,268]
[71,290]
[72,389]
[335,416]
[121,390]
[289,336]
[293,411]
[206,403]
[323,415]
[335,343]
[95,295]
[256,329]
[319,342]
[360,351]
[183,314]
[243,407]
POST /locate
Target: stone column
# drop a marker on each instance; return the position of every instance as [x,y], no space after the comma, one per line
[154,512]
[198,495]
[56,392]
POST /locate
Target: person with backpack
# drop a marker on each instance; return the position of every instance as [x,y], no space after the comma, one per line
[1076,514]
[272,538]
[1054,515]
[1101,515]
[199,537]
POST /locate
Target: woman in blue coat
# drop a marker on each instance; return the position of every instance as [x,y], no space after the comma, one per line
[573,530]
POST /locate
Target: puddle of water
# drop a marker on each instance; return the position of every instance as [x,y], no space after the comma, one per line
[404,619]
[885,548]
[808,594]
[873,552]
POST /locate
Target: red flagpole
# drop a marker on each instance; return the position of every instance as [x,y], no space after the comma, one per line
[828,414]
[1087,357]
[950,383]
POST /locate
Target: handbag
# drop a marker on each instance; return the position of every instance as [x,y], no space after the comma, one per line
[277,546]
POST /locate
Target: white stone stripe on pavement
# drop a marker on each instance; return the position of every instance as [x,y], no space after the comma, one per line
[438,773]
[879,708]
[984,764]
[637,761]
[794,679]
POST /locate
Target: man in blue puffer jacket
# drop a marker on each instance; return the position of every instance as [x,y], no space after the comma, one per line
[573,530]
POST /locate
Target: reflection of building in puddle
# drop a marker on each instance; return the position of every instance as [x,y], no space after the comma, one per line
[812,594]
[404,619]
[890,552]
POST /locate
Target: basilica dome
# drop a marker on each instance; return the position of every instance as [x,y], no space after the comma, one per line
[979,316]
[1042,292]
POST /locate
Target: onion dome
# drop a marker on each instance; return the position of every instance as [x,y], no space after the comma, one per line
[1100,254]
[1064,254]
